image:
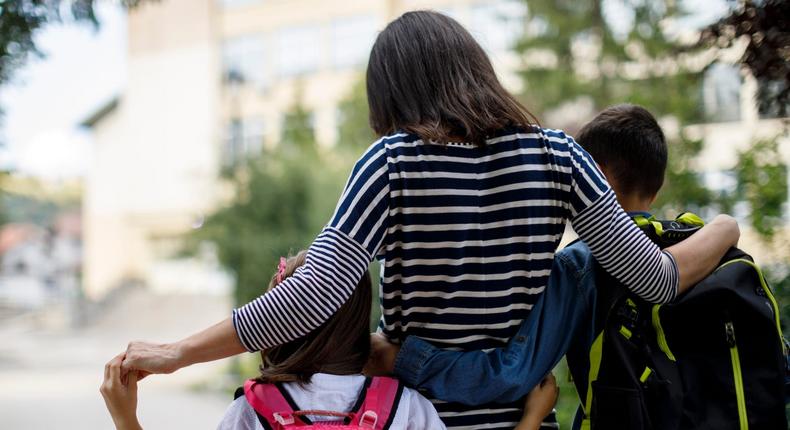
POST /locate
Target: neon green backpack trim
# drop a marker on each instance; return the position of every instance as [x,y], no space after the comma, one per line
[768,293]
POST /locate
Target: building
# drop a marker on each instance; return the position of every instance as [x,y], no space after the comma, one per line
[210,81]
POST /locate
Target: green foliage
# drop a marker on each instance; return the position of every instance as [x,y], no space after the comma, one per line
[683,188]
[282,199]
[298,136]
[762,183]
[778,277]
[276,209]
[594,58]
[354,134]
[568,401]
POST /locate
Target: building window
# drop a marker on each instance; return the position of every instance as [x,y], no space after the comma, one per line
[352,39]
[242,139]
[244,60]
[721,93]
[298,50]
[498,25]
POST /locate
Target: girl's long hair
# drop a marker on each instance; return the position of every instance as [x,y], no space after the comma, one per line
[340,346]
[428,76]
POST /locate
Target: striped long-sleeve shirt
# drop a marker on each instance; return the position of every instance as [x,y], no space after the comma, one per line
[466,235]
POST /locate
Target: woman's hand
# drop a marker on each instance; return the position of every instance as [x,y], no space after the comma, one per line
[382,356]
[540,402]
[150,358]
[700,254]
[216,342]
[120,397]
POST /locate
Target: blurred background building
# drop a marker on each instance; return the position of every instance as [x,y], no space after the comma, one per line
[209,83]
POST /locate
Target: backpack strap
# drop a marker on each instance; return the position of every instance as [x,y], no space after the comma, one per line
[274,410]
[381,399]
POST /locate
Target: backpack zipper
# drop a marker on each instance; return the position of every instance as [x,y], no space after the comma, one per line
[737,375]
[768,293]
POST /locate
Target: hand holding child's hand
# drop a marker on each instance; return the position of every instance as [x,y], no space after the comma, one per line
[540,402]
[120,398]
[382,356]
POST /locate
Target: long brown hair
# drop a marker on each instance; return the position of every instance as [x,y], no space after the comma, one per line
[340,346]
[428,76]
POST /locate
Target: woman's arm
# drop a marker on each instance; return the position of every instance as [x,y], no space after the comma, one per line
[629,255]
[216,342]
[335,262]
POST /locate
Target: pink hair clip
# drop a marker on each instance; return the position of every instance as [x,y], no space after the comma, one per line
[281,270]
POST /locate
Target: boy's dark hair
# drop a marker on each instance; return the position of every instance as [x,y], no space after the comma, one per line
[428,76]
[340,346]
[627,141]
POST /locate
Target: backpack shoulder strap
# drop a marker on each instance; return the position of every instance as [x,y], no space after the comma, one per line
[382,396]
[273,409]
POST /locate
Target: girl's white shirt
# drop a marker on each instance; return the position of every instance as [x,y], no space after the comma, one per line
[337,393]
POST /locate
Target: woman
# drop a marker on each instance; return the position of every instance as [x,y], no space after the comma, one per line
[464,201]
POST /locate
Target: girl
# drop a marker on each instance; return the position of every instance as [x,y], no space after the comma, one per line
[321,371]
[464,200]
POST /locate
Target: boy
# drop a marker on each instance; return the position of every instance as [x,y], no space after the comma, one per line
[629,146]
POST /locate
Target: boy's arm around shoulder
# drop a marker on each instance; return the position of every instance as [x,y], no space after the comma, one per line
[508,373]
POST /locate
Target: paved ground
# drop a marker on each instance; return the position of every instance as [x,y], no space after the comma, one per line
[49,377]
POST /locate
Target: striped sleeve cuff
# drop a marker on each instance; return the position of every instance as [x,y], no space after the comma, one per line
[626,252]
[335,263]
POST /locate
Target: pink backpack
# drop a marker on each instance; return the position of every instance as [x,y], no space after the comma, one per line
[375,408]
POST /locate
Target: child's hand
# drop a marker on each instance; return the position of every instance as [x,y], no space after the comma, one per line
[120,398]
[382,356]
[540,402]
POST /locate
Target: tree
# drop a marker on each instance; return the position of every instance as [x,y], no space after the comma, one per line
[765,26]
[274,210]
[598,59]
[762,183]
[585,54]
[354,133]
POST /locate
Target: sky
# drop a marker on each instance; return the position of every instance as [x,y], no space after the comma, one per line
[82,69]
[46,100]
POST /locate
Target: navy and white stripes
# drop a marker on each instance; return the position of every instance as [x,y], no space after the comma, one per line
[467,237]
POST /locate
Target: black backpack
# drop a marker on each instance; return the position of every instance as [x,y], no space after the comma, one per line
[714,358]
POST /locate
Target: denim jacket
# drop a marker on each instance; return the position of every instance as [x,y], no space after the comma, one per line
[559,323]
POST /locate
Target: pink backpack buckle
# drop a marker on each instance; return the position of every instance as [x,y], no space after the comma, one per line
[368,420]
[285,418]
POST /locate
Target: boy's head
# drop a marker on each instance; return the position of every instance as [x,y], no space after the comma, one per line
[339,346]
[629,146]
